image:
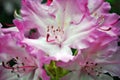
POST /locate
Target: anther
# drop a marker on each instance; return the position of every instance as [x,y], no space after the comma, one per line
[96,64]
[92,69]
[24,69]
[18,75]
[91,63]
[47,37]
[56,37]
[47,30]
[17,67]
[100,67]
[101,20]
[86,62]
[88,73]
[16,57]
[52,27]
[96,71]
[98,75]
[23,64]
[56,29]
[25,57]
[53,30]
[12,71]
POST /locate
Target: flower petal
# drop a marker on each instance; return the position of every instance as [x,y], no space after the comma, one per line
[67,13]
[6,74]
[33,12]
[72,76]
[104,77]
[94,5]
[112,64]
[77,33]
[60,53]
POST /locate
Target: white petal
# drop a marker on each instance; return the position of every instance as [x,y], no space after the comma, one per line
[104,77]
[63,53]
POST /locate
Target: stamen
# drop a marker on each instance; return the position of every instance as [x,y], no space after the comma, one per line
[9,67]
[86,62]
[12,71]
[23,64]
[52,27]
[101,20]
[25,57]
[96,64]
[18,75]
[47,37]
[106,29]
[92,69]
[16,57]
[3,64]
[22,67]
[16,66]
[54,34]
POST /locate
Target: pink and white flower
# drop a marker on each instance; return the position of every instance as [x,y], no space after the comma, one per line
[56,28]
[17,63]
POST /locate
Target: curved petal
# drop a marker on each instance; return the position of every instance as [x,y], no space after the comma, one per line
[6,74]
[72,76]
[103,7]
[104,77]
[77,33]
[66,13]
[63,53]
[9,30]
[98,6]
[112,64]
[33,12]
[72,64]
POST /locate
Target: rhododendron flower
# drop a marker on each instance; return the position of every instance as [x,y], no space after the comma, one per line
[17,63]
[93,63]
[56,28]
[42,44]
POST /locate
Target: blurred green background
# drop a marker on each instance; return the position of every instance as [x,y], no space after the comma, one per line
[7,8]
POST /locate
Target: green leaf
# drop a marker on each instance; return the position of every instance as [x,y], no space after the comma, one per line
[74,51]
[43,1]
[54,71]
[40,79]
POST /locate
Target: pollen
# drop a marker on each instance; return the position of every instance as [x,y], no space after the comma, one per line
[54,34]
[15,65]
[101,20]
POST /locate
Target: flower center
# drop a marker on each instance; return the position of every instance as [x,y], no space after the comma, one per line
[92,69]
[17,66]
[54,34]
